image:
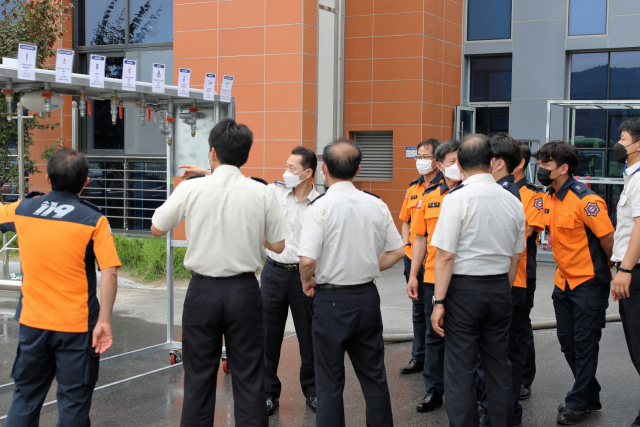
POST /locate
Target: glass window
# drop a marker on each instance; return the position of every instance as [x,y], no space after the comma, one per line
[106,135]
[591,129]
[591,163]
[589,75]
[491,79]
[489,19]
[151,21]
[587,17]
[625,75]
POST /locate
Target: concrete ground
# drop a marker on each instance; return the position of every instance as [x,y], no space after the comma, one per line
[140,318]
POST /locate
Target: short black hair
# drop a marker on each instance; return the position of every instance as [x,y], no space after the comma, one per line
[449,146]
[68,170]
[560,152]
[632,126]
[505,147]
[431,142]
[309,159]
[232,142]
[475,152]
[525,152]
[342,158]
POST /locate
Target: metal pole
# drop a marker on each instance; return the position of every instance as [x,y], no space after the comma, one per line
[548,121]
[74,117]
[573,126]
[20,152]
[5,257]
[170,313]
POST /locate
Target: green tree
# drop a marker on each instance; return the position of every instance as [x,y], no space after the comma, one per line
[40,22]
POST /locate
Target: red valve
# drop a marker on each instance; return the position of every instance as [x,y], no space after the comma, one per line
[193,109]
[7,91]
[148,114]
[89,104]
[45,94]
[170,119]
[120,108]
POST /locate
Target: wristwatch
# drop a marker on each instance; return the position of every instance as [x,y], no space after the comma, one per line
[624,270]
[435,301]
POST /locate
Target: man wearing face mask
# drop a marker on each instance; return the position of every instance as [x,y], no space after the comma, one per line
[626,248]
[582,235]
[423,225]
[429,175]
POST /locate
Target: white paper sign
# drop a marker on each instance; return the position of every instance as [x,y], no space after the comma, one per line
[184,77]
[157,79]
[129,74]
[96,71]
[64,65]
[225,90]
[209,86]
[27,61]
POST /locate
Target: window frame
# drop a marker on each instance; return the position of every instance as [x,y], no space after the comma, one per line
[469,76]
[466,27]
[606,23]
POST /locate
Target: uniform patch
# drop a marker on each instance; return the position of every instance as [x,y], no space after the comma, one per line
[538,204]
[546,211]
[419,204]
[414,197]
[434,205]
[592,209]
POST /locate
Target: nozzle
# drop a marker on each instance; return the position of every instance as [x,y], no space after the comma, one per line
[82,104]
[114,107]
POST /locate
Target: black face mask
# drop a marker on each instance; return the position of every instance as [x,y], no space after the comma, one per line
[620,152]
[544,176]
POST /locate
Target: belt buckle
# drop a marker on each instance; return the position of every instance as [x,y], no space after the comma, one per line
[289,268]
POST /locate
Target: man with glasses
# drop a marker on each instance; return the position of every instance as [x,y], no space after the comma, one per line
[429,175]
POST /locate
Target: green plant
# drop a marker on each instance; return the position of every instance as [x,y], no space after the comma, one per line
[147,257]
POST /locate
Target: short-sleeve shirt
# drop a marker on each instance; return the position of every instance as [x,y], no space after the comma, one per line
[628,209]
[345,231]
[424,223]
[483,225]
[60,239]
[410,203]
[532,198]
[577,218]
[295,211]
[227,216]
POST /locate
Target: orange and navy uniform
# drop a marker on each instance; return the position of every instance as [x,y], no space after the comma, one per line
[425,220]
[508,184]
[577,218]
[532,198]
[60,237]
[411,200]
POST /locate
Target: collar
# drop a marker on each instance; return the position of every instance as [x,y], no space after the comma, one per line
[522,183]
[479,177]
[443,187]
[342,185]
[632,169]
[563,191]
[226,170]
[439,177]
[311,196]
[508,178]
[63,194]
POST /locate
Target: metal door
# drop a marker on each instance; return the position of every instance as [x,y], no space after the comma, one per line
[465,121]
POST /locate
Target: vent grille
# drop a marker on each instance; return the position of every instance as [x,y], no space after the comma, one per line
[377,155]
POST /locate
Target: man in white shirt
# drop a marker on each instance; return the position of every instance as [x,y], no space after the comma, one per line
[625,287]
[480,237]
[347,238]
[228,217]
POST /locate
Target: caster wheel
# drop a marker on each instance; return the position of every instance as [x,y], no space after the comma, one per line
[544,247]
[175,356]
[225,366]
[172,359]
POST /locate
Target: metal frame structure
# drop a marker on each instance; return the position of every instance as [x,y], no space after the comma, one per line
[169,103]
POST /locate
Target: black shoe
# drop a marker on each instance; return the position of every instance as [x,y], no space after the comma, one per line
[311,402]
[570,417]
[591,407]
[525,391]
[636,423]
[413,367]
[484,417]
[430,402]
[272,403]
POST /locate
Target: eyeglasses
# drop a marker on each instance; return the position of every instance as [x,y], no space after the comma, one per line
[424,157]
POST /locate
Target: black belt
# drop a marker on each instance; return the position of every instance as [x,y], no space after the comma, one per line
[338,287]
[489,276]
[285,267]
[237,276]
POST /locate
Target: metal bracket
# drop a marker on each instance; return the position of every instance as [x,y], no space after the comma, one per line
[327,8]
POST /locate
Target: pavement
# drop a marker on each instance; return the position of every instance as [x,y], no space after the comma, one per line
[140,321]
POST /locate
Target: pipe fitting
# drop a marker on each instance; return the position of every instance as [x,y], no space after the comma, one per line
[82,104]
[114,107]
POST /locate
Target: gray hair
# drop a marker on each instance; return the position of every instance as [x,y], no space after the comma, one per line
[449,146]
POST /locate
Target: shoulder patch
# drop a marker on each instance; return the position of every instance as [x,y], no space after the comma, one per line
[280,183]
[538,203]
[260,180]
[194,177]
[580,189]
[456,188]
[371,194]
[534,187]
[316,199]
[91,205]
[592,209]
[430,188]
[34,194]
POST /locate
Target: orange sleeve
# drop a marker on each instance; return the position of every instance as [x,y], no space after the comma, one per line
[405,214]
[534,211]
[103,245]
[593,212]
[8,212]
[419,223]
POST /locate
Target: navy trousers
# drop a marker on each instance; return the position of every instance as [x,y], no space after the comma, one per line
[42,356]
[525,337]
[630,314]
[282,290]
[433,373]
[580,314]
[418,314]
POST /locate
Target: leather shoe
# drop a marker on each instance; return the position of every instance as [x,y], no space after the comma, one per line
[413,367]
[636,423]
[570,417]
[311,402]
[430,402]
[272,403]
[590,407]
[525,391]
[484,417]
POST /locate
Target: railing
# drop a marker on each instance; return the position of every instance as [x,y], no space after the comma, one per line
[127,189]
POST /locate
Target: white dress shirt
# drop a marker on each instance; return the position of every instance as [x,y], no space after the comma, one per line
[628,209]
[227,216]
[483,225]
[294,210]
[345,231]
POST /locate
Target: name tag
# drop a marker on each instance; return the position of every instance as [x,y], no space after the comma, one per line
[414,197]
[434,205]
[546,211]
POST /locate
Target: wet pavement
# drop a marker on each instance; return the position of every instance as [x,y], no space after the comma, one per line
[139,322]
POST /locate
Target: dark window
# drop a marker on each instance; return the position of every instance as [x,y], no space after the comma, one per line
[491,79]
[589,73]
[625,75]
[587,17]
[489,20]
[151,21]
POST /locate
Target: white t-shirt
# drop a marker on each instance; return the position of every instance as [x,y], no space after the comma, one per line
[628,209]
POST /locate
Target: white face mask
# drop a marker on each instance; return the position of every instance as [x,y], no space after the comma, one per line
[424,166]
[291,180]
[453,172]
